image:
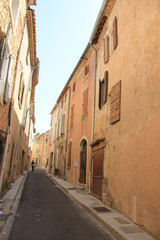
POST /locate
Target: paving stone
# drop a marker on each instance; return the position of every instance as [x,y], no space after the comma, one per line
[121,220]
[131,229]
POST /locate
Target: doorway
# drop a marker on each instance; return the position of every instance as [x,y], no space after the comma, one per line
[83,160]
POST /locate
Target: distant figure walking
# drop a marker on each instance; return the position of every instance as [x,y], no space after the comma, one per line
[33,165]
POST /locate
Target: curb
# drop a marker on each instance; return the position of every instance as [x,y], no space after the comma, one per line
[11,201]
[124,230]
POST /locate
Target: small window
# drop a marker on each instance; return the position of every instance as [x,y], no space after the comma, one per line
[62,104]
[87,69]
[103,90]
[74,87]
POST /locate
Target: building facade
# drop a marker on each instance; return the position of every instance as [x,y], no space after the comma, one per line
[126,145]
[58,134]
[19,76]
[113,125]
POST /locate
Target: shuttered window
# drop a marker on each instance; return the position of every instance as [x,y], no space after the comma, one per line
[115,34]
[86,69]
[69,154]
[106,49]
[74,87]
[21,91]
[115,103]
[62,123]
[72,116]
[103,90]
[5,67]
[85,102]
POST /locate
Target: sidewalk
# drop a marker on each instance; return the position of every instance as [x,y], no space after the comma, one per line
[8,206]
[121,227]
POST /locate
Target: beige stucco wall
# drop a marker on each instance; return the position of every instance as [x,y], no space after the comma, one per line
[131,160]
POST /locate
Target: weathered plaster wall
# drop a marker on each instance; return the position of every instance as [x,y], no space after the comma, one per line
[132,166]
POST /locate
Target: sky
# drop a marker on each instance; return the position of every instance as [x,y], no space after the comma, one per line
[63,30]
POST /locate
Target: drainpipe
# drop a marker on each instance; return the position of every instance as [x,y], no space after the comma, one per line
[93,115]
[55,141]
[66,135]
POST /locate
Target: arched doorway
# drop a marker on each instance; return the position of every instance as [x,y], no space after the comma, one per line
[83,160]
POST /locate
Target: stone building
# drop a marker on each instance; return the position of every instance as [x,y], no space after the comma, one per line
[58,134]
[19,76]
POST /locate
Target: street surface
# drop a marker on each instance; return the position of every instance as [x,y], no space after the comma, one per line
[45,212]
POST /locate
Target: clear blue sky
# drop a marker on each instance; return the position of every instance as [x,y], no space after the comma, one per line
[63,32]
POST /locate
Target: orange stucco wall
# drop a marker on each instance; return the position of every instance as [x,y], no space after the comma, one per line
[131,155]
[82,126]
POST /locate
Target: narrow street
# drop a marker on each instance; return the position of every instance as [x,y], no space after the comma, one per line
[45,212]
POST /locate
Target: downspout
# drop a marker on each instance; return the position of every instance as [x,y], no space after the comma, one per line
[93,115]
[55,141]
[65,158]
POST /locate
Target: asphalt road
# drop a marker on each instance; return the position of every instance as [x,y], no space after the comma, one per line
[45,212]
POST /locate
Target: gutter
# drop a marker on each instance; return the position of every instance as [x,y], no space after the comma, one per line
[101,12]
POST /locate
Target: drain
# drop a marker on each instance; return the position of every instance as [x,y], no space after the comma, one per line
[71,188]
[101,209]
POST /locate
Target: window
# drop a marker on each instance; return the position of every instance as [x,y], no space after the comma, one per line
[55,130]
[72,116]
[74,87]
[62,104]
[115,103]
[86,69]
[85,103]
[103,90]
[62,124]
[5,67]
[69,154]
[106,49]
[58,129]
[115,34]
[21,91]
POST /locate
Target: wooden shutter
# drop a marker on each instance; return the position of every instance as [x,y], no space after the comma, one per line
[69,154]
[72,116]
[106,49]
[105,86]
[115,103]
[85,102]
[62,124]
[87,69]
[115,35]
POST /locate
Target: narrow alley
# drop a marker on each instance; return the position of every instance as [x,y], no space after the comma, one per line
[46,212]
